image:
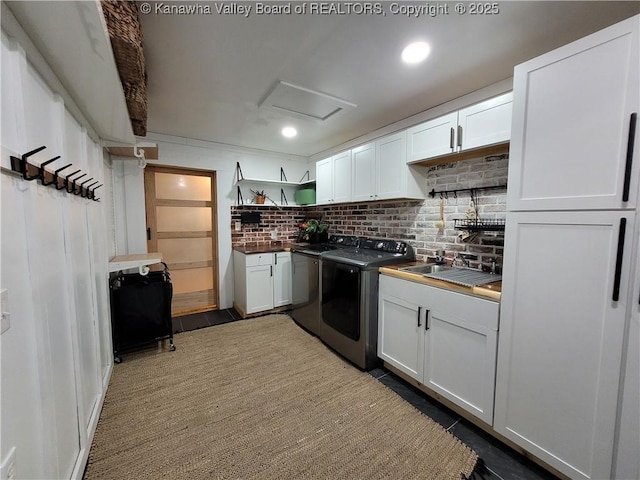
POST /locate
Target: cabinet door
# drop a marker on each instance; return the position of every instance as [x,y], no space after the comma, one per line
[259,288]
[391,155]
[571,124]
[282,288]
[627,463]
[399,334]
[364,172]
[561,336]
[400,324]
[486,123]
[433,138]
[341,177]
[460,361]
[324,181]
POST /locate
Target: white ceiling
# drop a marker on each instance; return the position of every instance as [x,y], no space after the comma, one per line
[208,73]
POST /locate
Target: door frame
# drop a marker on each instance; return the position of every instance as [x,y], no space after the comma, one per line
[150,213]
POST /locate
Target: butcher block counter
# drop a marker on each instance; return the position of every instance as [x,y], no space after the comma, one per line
[491,291]
[275,246]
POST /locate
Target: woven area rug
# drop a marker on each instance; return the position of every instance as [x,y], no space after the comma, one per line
[262,399]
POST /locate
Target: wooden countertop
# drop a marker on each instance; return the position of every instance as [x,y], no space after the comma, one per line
[264,248]
[491,291]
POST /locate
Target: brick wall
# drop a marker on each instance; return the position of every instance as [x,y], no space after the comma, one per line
[412,221]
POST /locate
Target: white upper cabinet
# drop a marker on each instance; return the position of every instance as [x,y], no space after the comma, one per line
[324,181]
[433,138]
[342,177]
[484,124]
[377,171]
[380,171]
[481,125]
[364,175]
[333,179]
[394,177]
[572,139]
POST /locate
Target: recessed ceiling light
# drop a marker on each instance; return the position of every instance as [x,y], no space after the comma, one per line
[415,52]
[289,132]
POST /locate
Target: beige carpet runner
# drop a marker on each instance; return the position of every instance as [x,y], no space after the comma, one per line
[262,399]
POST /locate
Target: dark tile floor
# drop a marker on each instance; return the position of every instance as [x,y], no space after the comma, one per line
[503,463]
[205,319]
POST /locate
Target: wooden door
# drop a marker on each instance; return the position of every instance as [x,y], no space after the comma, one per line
[182,226]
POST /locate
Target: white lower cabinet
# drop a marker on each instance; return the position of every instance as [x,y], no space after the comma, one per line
[445,340]
[262,281]
[282,287]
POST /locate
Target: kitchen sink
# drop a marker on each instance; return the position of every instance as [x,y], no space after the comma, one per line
[467,277]
[426,268]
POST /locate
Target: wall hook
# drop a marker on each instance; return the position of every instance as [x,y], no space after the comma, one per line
[79,192]
[29,171]
[21,165]
[56,177]
[73,182]
[93,194]
[43,172]
[65,182]
[87,190]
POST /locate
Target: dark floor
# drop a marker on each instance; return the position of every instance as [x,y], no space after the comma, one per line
[502,462]
[205,319]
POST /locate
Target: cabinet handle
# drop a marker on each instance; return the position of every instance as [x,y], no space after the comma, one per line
[630,144]
[452,135]
[271,270]
[426,321]
[148,233]
[419,311]
[620,254]
[460,135]
[275,258]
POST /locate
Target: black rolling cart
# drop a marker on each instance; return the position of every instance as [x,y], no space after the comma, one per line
[140,310]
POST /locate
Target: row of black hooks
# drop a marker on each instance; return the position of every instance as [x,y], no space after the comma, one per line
[444,194]
[71,183]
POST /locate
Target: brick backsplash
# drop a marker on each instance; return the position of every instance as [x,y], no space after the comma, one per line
[411,220]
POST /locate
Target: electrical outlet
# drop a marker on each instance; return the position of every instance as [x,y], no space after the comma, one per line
[8,467]
[238,226]
[4,310]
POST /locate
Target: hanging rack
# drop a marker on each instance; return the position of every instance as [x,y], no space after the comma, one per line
[29,171]
[472,191]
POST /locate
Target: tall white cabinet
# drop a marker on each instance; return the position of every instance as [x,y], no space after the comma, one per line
[569,251]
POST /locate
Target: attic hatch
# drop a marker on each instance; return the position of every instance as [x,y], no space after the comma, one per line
[303,102]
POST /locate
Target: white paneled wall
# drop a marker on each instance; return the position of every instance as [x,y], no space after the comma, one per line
[56,356]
